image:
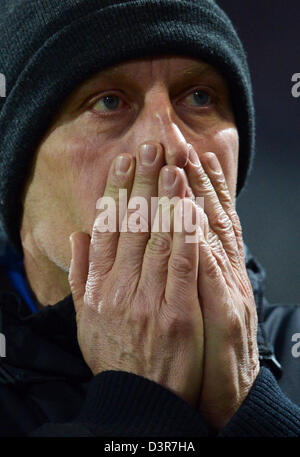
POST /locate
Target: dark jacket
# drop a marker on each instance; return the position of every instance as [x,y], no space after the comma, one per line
[46,389]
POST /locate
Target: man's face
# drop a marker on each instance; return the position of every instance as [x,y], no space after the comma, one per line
[169,100]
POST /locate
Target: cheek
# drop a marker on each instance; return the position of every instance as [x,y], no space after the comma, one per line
[90,162]
[77,165]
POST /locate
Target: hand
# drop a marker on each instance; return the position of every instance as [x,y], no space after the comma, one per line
[134,310]
[231,361]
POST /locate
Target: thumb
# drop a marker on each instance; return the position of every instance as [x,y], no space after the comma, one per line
[79,267]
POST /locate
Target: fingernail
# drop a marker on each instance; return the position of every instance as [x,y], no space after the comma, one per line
[122,165]
[148,154]
[169,176]
[213,164]
[193,157]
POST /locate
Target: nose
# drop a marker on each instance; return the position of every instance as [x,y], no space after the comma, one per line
[158,123]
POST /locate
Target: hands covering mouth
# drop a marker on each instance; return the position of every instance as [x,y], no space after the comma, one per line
[148,302]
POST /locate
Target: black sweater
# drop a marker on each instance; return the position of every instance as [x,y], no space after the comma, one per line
[46,389]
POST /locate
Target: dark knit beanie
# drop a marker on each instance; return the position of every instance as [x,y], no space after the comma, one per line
[49,47]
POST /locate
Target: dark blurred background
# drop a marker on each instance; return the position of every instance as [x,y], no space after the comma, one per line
[269,208]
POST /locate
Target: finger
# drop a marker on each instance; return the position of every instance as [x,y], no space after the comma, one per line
[218,219]
[182,277]
[215,173]
[210,236]
[225,332]
[144,190]
[79,267]
[189,193]
[212,286]
[156,258]
[105,233]
[217,249]
[135,230]
[172,188]
[224,321]
[158,249]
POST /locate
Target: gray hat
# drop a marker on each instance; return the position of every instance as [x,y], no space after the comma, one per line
[49,47]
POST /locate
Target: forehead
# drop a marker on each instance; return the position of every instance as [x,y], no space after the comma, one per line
[164,65]
[169,68]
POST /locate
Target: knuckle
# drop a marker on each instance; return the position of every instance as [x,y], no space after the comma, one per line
[175,321]
[235,219]
[98,228]
[143,178]
[139,317]
[91,294]
[104,223]
[205,185]
[130,244]
[94,290]
[222,223]
[235,260]
[76,290]
[235,326]
[213,240]
[221,187]
[237,226]
[238,231]
[101,259]
[112,188]
[206,182]
[158,245]
[181,266]
[211,269]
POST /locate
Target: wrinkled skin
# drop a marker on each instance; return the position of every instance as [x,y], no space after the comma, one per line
[180,314]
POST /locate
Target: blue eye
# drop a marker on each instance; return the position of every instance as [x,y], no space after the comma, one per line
[109,103]
[200,98]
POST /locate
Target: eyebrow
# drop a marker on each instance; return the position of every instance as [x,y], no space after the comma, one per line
[191,72]
[198,69]
[117,75]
